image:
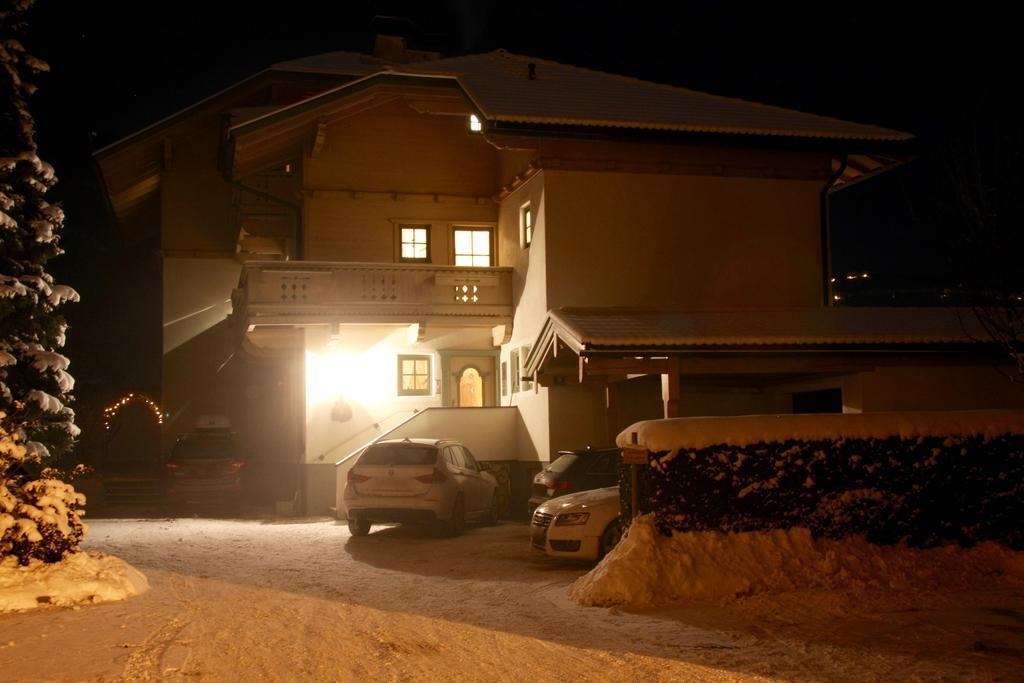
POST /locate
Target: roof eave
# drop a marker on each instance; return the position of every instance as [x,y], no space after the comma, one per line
[328,96]
[831,145]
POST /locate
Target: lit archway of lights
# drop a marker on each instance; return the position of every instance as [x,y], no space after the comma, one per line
[111,411]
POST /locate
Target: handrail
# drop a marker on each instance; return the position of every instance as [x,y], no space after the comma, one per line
[406,421]
[377,438]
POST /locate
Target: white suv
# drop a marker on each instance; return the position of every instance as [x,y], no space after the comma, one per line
[419,480]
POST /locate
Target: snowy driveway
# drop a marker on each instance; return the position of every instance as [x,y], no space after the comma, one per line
[302,600]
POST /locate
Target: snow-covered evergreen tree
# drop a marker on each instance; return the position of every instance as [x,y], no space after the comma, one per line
[38,513]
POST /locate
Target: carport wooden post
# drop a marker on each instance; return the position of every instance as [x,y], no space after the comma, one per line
[670,387]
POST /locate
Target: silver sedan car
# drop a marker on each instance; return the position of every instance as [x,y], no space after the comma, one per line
[419,480]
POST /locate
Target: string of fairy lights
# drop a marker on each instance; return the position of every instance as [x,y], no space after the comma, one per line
[111,411]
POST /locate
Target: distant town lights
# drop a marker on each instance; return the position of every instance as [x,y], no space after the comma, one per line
[111,411]
[475,124]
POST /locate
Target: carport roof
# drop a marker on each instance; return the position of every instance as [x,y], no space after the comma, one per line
[635,330]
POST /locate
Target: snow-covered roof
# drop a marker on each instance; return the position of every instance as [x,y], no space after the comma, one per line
[661,330]
[341,62]
[500,85]
[700,432]
[595,327]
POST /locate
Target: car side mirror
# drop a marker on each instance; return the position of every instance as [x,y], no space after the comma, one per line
[484,466]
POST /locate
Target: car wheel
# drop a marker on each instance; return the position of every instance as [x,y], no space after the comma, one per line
[492,514]
[611,536]
[358,527]
[457,522]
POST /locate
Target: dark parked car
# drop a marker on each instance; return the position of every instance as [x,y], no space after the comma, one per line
[571,471]
[204,469]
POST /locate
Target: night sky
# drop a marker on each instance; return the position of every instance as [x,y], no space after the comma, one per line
[918,67]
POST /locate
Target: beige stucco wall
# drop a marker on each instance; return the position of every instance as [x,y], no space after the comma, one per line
[530,297]
[697,242]
[359,369]
[683,240]
[577,417]
[342,228]
[391,165]
[930,388]
[196,296]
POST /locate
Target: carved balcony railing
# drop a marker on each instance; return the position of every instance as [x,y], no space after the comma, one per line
[314,292]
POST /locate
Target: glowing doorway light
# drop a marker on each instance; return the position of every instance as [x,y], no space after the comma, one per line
[366,377]
[475,125]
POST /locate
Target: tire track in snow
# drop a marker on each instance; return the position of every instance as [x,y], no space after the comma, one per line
[148,662]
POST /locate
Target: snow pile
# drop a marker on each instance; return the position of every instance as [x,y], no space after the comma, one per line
[670,435]
[648,569]
[80,578]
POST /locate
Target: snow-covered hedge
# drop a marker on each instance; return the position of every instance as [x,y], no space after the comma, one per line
[923,478]
[40,519]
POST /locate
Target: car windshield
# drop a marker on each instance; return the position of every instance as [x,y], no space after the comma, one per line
[206,447]
[399,454]
[562,463]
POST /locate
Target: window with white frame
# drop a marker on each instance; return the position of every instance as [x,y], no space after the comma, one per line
[415,243]
[413,375]
[513,366]
[473,246]
[526,224]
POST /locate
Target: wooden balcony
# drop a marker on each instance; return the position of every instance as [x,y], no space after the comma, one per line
[324,292]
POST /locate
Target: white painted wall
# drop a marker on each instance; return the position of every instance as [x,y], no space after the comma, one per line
[360,369]
[930,388]
[489,433]
[531,308]
[196,296]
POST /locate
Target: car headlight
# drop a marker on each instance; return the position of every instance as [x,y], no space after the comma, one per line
[572,518]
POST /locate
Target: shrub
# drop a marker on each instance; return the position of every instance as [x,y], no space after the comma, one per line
[926,491]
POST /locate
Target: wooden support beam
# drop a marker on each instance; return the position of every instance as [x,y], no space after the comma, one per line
[670,387]
[319,138]
[596,366]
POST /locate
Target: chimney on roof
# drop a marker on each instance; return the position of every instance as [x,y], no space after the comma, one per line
[392,38]
[531,70]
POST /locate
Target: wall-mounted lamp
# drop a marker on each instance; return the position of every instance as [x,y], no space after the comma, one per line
[475,125]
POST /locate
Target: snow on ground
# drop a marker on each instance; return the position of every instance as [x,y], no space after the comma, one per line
[701,432]
[647,569]
[283,600]
[80,578]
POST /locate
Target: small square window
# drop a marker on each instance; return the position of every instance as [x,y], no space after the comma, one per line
[415,241]
[472,247]
[526,225]
[414,375]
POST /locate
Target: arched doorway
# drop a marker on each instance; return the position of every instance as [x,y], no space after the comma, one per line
[481,387]
[471,388]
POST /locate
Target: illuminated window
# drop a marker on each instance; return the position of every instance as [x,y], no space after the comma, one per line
[526,224]
[472,247]
[415,241]
[413,375]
